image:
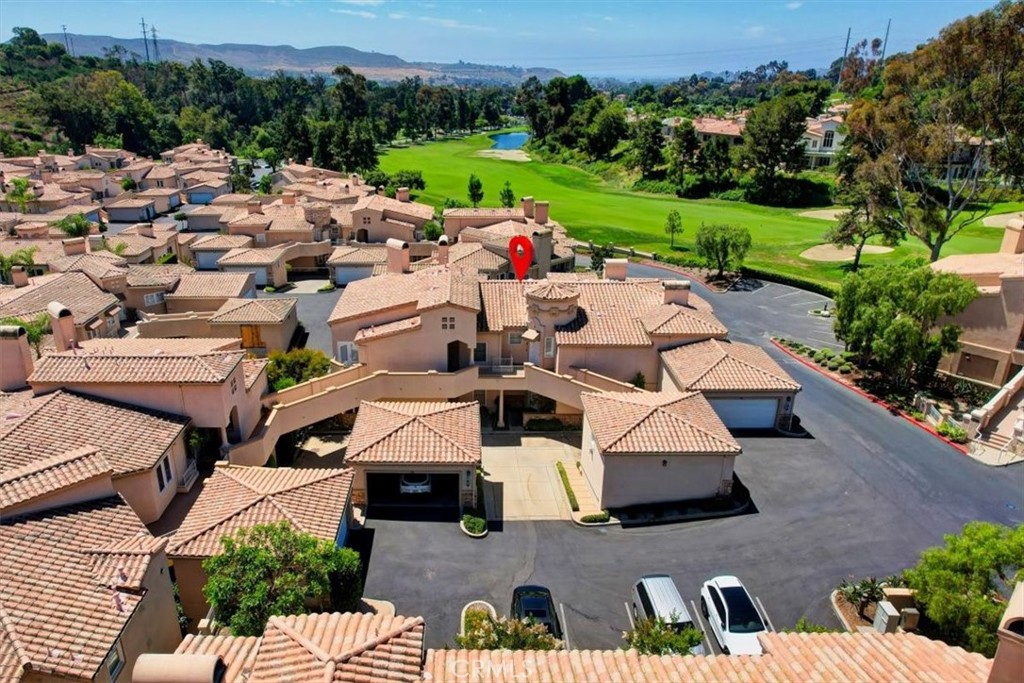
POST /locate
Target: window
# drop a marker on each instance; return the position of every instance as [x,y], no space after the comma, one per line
[163,473]
[719,607]
[830,137]
[234,384]
[153,299]
[159,183]
[549,347]
[480,352]
[448,323]
[515,338]
[261,238]
[366,220]
[814,144]
[167,470]
[348,353]
[111,323]
[645,601]
[115,661]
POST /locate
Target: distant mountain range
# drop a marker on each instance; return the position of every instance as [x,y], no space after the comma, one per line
[262,60]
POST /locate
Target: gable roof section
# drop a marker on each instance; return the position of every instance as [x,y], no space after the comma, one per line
[156,275]
[20,485]
[251,256]
[718,365]
[675,319]
[379,202]
[416,432]
[656,423]
[131,439]
[117,367]
[312,501]
[59,618]
[74,290]
[97,264]
[428,288]
[358,255]
[212,285]
[254,311]
[220,242]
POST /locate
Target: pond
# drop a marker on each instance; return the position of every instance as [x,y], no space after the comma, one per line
[509,140]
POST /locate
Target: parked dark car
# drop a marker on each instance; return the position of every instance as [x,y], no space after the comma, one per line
[534,603]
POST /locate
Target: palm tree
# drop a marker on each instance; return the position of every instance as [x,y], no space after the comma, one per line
[75,225]
[20,193]
[35,330]
[19,257]
[118,248]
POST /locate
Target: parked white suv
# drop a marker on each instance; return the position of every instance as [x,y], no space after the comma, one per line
[731,613]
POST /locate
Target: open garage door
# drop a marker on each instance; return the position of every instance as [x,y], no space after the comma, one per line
[389,495]
[746,413]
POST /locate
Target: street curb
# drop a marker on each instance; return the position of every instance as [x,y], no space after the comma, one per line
[838,612]
[962,448]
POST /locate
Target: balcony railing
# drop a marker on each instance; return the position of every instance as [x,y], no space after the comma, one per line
[501,366]
[188,477]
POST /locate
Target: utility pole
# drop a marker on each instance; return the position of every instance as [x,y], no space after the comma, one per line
[67,45]
[156,48]
[145,39]
[885,43]
[846,49]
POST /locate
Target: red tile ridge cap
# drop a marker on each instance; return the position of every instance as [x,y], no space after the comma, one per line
[408,624]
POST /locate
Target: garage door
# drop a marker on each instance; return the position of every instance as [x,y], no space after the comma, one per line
[207,260]
[200,198]
[261,276]
[384,491]
[746,413]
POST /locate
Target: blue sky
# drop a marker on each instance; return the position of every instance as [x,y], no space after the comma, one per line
[625,39]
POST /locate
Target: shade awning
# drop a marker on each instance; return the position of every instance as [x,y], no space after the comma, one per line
[96,323]
[531,335]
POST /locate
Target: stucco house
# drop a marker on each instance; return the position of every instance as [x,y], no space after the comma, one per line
[647,447]
[147,472]
[108,271]
[85,311]
[395,438]
[377,218]
[165,199]
[262,325]
[745,386]
[357,262]
[314,501]
[131,209]
[992,336]
[207,250]
[146,285]
[209,291]
[160,177]
[198,191]
[267,266]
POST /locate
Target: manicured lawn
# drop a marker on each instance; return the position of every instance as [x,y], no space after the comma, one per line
[591,209]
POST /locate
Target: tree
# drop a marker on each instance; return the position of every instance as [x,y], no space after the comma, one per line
[773,138]
[658,637]
[117,248]
[507,196]
[18,257]
[599,255]
[722,246]
[128,183]
[888,316]
[35,330]
[646,146]
[673,226]
[20,193]
[432,231]
[484,632]
[272,569]
[476,190]
[265,184]
[272,157]
[714,161]
[75,225]
[240,183]
[605,131]
[683,152]
[866,193]
[963,586]
[288,368]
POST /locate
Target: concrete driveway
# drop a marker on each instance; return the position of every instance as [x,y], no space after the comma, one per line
[521,482]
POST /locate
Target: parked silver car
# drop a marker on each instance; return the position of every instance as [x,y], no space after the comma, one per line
[656,596]
[414,483]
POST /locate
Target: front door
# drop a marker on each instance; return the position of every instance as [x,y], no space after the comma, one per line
[453,357]
[251,337]
[535,353]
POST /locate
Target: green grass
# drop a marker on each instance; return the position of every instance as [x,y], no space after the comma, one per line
[592,209]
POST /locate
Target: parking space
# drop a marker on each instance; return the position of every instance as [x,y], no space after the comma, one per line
[521,482]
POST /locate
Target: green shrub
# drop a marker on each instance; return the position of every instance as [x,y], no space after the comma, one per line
[474,524]
[484,632]
[917,415]
[329,287]
[827,353]
[834,364]
[734,195]
[804,625]
[825,289]
[568,489]
[845,369]
[269,289]
[282,383]
[695,187]
[654,186]
[300,365]
[656,637]
[599,518]
[545,424]
[952,432]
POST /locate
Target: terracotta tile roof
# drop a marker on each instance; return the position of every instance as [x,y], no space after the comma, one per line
[571,277]
[388,329]
[788,657]
[551,291]
[233,199]
[150,346]
[129,203]
[248,256]
[358,255]
[221,242]
[662,422]
[713,126]
[213,285]
[427,288]
[718,365]
[74,290]
[158,192]
[201,176]
[237,652]
[466,255]
[500,232]
[161,172]
[16,405]
[379,202]
[100,265]
[416,432]
[46,250]
[156,275]
[254,311]
[61,618]
[674,320]
[488,212]
[68,421]
[19,485]
[104,367]
[312,501]
[251,369]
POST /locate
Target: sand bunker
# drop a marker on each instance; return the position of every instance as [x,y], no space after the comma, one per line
[823,214]
[505,154]
[1001,220]
[830,252]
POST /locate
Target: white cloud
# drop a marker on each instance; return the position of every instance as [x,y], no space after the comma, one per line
[397,15]
[754,31]
[590,29]
[794,5]
[609,19]
[454,23]
[369,3]
[355,13]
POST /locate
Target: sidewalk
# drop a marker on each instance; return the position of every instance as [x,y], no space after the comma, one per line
[584,496]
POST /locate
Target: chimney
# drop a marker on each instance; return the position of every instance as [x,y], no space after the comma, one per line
[18,276]
[1009,660]
[145,229]
[527,205]
[161,668]
[253,206]
[442,250]
[46,176]
[62,324]
[402,194]
[541,213]
[17,365]
[1013,237]
[309,161]
[615,268]
[676,292]
[398,256]
[542,249]
[354,179]
[73,246]
[288,199]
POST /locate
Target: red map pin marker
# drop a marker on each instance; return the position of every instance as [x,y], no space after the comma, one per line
[520,253]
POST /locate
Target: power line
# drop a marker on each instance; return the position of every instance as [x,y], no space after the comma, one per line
[885,43]
[156,48]
[67,45]
[846,49]
[145,39]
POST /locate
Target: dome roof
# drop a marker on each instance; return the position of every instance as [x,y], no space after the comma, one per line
[552,291]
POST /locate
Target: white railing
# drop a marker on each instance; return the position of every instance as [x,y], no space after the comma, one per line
[501,366]
[188,477]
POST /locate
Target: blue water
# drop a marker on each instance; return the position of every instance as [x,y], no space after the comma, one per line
[510,140]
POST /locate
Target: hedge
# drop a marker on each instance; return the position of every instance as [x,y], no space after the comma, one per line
[599,518]
[474,524]
[568,489]
[792,280]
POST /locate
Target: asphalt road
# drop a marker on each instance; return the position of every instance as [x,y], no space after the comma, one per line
[864,495]
[313,311]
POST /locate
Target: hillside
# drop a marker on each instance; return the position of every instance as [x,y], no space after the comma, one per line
[259,60]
